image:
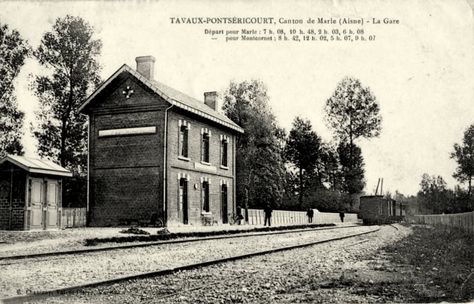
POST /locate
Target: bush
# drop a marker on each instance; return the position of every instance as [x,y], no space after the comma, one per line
[135,230]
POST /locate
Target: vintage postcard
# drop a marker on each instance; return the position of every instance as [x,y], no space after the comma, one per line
[236,151]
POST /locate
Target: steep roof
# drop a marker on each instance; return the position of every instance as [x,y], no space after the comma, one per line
[36,165]
[174,97]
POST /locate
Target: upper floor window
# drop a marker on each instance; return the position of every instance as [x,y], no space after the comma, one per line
[183,138]
[224,150]
[205,144]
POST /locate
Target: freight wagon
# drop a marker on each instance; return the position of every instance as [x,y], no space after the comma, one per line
[377,209]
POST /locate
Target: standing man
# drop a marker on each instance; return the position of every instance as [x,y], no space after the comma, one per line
[310,214]
[238,216]
[268,215]
[341,215]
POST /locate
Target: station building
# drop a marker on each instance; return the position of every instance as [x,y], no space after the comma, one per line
[157,155]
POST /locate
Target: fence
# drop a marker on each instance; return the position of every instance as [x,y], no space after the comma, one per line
[73,217]
[283,217]
[333,217]
[464,221]
[76,217]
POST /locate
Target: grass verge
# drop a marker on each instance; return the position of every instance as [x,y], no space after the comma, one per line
[430,265]
[442,263]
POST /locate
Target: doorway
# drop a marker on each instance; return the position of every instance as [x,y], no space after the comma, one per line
[225,218]
[43,203]
[51,219]
[183,199]
[35,203]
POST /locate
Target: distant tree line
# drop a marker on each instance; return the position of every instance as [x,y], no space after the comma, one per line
[434,195]
[299,170]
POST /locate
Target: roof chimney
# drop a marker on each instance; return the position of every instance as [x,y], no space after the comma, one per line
[146,66]
[210,99]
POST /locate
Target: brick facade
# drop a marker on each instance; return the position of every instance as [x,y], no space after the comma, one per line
[135,172]
[12,197]
[126,172]
[195,169]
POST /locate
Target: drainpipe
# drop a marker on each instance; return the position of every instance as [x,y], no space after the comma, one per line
[234,177]
[11,199]
[88,169]
[165,166]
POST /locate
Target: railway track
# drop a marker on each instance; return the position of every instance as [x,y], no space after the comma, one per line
[157,243]
[218,282]
[52,292]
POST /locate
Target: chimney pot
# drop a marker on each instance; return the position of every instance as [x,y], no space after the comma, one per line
[210,99]
[146,66]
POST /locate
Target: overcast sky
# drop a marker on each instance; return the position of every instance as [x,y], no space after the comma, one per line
[420,71]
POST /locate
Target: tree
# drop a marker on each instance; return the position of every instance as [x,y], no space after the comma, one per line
[352,170]
[303,151]
[353,112]
[330,167]
[70,53]
[434,195]
[463,201]
[260,172]
[13,52]
[464,156]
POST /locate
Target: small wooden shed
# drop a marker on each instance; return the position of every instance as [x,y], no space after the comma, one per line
[30,193]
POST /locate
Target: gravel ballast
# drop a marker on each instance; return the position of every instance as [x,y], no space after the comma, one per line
[38,242]
[22,277]
[298,276]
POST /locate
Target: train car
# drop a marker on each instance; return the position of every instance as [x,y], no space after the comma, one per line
[377,209]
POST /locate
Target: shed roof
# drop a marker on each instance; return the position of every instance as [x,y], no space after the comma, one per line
[37,165]
[172,96]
